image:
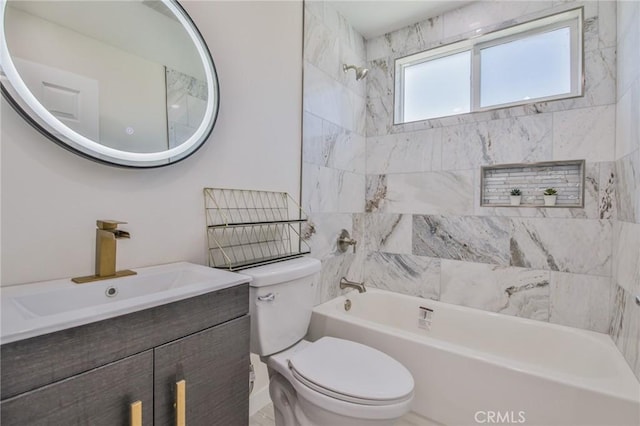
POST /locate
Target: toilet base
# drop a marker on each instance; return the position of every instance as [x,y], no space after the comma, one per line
[292,409]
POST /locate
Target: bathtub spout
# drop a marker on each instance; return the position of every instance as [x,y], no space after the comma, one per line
[345,283]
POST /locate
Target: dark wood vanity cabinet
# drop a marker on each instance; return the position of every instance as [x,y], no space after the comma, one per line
[216,378]
[101,396]
[202,341]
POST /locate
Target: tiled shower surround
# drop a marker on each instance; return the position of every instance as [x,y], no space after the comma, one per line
[410,194]
[625,326]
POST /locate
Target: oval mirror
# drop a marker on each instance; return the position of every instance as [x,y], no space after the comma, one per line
[127,83]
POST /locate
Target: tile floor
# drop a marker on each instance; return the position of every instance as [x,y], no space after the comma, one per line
[264,417]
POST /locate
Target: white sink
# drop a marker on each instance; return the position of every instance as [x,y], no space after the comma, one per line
[33,309]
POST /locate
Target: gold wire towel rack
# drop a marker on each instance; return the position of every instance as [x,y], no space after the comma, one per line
[248,228]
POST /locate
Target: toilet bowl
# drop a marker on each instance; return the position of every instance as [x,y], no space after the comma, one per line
[338,382]
[328,382]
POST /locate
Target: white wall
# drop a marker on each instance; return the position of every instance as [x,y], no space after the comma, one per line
[51,198]
[118,73]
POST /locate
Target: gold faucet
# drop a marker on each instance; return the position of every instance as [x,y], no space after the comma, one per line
[106,236]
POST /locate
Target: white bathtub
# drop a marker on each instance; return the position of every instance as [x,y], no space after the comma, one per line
[475,367]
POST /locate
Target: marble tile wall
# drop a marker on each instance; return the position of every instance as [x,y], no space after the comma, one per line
[333,171]
[425,232]
[410,193]
[625,324]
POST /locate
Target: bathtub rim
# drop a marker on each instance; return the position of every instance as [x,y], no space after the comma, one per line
[328,309]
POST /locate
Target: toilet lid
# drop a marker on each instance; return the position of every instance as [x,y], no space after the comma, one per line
[352,372]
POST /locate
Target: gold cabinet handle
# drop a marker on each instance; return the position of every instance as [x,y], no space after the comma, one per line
[181,403]
[135,409]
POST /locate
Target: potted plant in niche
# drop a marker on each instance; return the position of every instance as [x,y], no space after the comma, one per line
[516,196]
[550,195]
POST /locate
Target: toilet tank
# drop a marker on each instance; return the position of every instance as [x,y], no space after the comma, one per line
[281,300]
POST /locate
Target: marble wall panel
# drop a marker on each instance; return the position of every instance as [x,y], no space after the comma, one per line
[324,231]
[628,121]
[390,233]
[328,145]
[343,149]
[514,140]
[600,27]
[626,256]
[426,193]
[628,42]
[375,193]
[470,238]
[333,269]
[512,291]
[628,15]
[404,273]
[600,80]
[625,327]
[576,246]
[412,38]
[379,116]
[329,42]
[328,99]
[380,80]
[321,45]
[607,11]
[607,206]
[580,301]
[586,133]
[313,145]
[339,25]
[315,7]
[628,187]
[590,37]
[419,151]
[330,190]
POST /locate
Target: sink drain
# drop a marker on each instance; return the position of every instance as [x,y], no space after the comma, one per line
[111,291]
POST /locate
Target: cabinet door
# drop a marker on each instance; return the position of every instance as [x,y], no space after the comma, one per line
[99,397]
[214,364]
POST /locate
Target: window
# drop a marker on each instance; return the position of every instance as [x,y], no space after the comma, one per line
[446,79]
[537,61]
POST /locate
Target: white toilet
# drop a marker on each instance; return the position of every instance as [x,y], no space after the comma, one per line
[330,382]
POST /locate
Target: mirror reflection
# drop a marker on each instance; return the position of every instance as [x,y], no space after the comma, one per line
[124,74]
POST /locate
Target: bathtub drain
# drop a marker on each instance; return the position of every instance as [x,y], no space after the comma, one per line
[347,305]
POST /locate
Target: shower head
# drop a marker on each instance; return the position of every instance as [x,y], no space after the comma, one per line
[360,71]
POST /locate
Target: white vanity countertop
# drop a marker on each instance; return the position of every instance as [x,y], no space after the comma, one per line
[30,310]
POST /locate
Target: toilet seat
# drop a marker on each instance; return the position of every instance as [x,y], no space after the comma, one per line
[351,372]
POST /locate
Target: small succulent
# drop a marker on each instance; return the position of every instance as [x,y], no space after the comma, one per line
[550,191]
[516,192]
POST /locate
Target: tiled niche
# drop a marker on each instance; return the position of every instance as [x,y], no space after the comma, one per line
[566,177]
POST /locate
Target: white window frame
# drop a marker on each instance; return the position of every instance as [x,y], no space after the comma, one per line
[571,18]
